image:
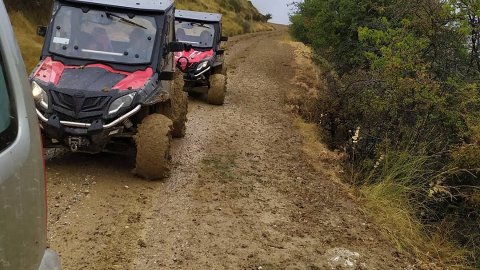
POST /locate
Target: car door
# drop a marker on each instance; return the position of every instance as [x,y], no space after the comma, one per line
[22,186]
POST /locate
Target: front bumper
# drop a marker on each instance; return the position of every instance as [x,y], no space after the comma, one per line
[83,137]
[87,125]
[50,261]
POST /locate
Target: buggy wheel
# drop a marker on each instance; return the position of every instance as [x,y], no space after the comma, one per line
[178,107]
[153,147]
[218,87]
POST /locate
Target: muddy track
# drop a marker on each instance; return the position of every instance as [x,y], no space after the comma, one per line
[242,194]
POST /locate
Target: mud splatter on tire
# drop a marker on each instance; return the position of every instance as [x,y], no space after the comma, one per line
[216,93]
[153,147]
[179,107]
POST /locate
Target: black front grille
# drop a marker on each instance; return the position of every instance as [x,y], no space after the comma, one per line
[79,106]
[63,100]
[89,104]
[95,103]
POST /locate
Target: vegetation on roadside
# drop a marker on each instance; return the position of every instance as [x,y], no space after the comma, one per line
[401,95]
[30,43]
[240,16]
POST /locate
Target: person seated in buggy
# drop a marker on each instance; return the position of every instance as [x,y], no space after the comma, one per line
[100,40]
[138,44]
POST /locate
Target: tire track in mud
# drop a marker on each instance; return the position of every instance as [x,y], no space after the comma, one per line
[241,196]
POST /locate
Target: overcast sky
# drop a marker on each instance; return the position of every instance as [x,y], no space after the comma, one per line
[278,8]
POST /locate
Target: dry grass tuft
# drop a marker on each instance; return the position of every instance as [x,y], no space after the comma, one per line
[390,205]
[319,156]
[304,99]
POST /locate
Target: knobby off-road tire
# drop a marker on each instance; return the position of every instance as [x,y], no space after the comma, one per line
[178,107]
[153,147]
[218,89]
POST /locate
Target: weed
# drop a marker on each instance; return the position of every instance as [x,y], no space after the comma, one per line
[220,166]
[393,194]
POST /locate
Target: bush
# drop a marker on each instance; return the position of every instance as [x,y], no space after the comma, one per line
[401,78]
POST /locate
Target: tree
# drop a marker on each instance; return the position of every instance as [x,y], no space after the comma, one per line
[268,17]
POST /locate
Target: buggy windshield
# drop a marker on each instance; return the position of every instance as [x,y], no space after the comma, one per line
[199,35]
[106,36]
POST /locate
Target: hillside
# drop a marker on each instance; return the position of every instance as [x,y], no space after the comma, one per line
[30,43]
[240,16]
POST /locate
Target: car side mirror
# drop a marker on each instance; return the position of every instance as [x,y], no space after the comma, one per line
[41,30]
[176,46]
[220,52]
[224,38]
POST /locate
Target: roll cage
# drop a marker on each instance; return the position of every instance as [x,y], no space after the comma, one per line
[160,58]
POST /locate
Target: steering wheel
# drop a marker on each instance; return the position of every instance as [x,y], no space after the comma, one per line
[180,64]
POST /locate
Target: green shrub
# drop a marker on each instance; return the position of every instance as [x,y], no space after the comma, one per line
[236,5]
[402,77]
[246,26]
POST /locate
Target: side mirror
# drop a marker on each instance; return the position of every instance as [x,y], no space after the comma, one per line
[224,38]
[220,52]
[175,46]
[41,30]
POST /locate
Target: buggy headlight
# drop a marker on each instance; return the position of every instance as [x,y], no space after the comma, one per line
[40,95]
[202,65]
[120,103]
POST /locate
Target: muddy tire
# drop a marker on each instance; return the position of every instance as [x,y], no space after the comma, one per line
[217,91]
[153,147]
[178,107]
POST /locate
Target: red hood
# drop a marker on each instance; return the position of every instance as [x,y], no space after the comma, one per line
[193,56]
[50,71]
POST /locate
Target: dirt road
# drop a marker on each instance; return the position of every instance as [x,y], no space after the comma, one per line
[242,194]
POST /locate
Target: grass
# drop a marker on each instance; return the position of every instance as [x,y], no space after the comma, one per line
[391,199]
[221,166]
[319,156]
[30,43]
